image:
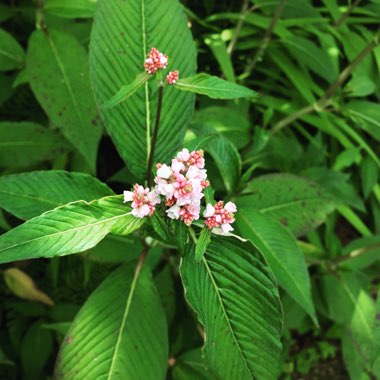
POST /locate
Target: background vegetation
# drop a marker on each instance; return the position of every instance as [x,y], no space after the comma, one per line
[316,68]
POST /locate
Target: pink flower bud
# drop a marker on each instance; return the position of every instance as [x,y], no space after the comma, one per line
[155,61]
[172,77]
[220,217]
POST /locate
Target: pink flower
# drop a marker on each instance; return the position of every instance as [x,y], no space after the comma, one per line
[182,184]
[172,77]
[187,213]
[155,61]
[220,216]
[194,158]
[143,201]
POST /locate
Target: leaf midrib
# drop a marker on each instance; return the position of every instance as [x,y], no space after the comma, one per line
[365,117]
[63,232]
[284,205]
[22,195]
[179,84]
[70,90]
[215,286]
[147,103]
[10,56]
[123,322]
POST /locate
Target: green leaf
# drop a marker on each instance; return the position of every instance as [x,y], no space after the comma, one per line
[126,91]
[296,202]
[227,121]
[69,229]
[11,53]
[225,155]
[33,358]
[369,175]
[237,302]
[115,249]
[26,144]
[119,333]
[308,53]
[360,253]
[214,87]
[349,304]
[218,48]
[347,158]
[70,8]
[122,35]
[27,195]
[202,244]
[166,288]
[57,66]
[282,253]
[365,115]
[189,366]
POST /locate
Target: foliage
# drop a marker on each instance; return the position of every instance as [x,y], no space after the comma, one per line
[281,97]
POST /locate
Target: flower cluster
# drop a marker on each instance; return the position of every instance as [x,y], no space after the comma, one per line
[156,61]
[181,184]
[172,77]
[220,216]
[143,201]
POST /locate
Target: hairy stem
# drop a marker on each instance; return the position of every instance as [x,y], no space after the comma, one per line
[324,100]
[267,38]
[155,134]
[239,25]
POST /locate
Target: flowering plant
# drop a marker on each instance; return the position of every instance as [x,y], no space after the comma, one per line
[195,249]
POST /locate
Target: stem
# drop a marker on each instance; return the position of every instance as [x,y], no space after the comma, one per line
[141,260]
[239,25]
[343,17]
[155,134]
[360,252]
[267,38]
[324,100]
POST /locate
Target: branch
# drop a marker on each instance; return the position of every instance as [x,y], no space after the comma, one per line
[243,12]
[267,38]
[323,102]
[343,17]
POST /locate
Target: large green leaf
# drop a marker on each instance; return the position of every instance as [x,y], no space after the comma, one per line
[122,35]
[120,332]
[236,300]
[69,229]
[27,195]
[214,87]
[11,53]
[296,202]
[58,72]
[25,144]
[282,253]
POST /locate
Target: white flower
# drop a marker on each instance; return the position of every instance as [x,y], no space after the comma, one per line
[210,211]
[173,212]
